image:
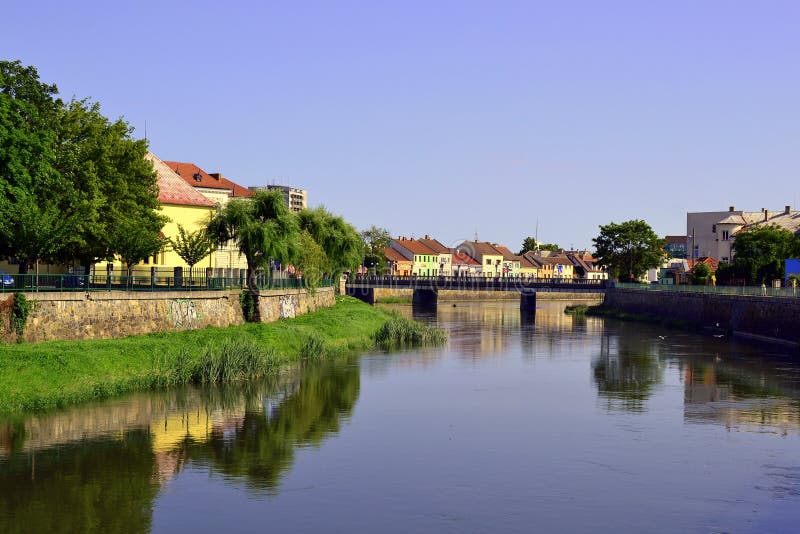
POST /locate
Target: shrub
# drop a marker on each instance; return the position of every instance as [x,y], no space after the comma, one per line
[19,314]
[401,332]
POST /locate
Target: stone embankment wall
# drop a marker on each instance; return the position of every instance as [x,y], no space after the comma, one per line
[454,295]
[112,314]
[766,318]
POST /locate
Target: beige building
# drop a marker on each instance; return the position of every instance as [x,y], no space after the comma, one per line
[711,233]
[296,199]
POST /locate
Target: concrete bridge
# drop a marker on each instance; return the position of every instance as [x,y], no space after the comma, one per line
[426,288]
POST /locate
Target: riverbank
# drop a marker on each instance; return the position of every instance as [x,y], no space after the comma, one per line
[54,374]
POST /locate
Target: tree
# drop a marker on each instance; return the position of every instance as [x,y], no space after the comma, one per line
[701,274]
[628,249]
[311,260]
[760,252]
[30,228]
[135,243]
[192,247]
[339,240]
[529,244]
[262,228]
[376,240]
[110,179]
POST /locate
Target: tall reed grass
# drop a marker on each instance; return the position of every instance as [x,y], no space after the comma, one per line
[400,332]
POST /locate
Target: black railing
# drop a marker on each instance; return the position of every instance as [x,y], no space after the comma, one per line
[165,281]
[477,282]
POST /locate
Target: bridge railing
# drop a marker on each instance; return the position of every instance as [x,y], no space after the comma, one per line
[752,291]
[510,283]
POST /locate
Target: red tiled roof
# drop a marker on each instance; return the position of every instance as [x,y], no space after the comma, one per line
[197,177]
[174,190]
[434,245]
[507,254]
[462,258]
[415,246]
[393,255]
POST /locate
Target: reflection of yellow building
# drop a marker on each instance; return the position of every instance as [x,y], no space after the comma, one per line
[168,433]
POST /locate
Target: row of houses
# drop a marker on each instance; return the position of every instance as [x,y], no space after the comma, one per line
[429,257]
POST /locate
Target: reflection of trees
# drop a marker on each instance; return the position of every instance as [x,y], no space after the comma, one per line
[97,486]
[626,372]
[262,446]
[107,482]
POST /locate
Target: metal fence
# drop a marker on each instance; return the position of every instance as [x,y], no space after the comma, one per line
[10,283]
[751,291]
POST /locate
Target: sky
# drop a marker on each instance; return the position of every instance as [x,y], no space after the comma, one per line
[450,118]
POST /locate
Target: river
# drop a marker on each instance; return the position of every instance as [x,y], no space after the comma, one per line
[565,424]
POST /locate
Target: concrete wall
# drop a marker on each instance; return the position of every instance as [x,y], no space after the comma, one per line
[454,295]
[768,318]
[112,314]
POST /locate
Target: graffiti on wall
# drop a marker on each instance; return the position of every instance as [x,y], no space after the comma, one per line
[287,307]
[184,313]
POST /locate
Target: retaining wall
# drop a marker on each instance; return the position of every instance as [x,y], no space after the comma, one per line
[113,314]
[766,318]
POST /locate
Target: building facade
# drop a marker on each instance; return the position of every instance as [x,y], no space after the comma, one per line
[296,198]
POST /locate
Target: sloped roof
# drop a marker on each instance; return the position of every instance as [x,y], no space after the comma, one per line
[393,255]
[414,246]
[197,177]
[732,219]
[434,245]
[526,263]
[507,254]
[479,249]
[462,258]
[172,189]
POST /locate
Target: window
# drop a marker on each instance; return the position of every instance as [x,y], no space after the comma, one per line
[488,262]
[713,228]
[725,235]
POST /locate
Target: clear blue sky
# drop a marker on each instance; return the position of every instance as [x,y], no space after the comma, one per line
[451,117]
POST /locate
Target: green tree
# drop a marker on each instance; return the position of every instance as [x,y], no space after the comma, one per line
[628,249]
[30,226]
[760,253]
[262,228]
[111,181]
[311,260]
[339,240]
[192,247]
[135,243]
[701,274]
[376,240]
[529,244]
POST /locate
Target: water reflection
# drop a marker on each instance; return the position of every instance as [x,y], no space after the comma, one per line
[626,371]
[100,467]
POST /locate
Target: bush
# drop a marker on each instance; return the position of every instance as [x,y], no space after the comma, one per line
[312,349]
[401,332]
[248,304]
[19,314]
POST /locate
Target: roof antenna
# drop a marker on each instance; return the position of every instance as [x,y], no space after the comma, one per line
[476,235]
[145,129]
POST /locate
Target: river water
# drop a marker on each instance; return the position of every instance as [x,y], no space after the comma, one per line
[565,424]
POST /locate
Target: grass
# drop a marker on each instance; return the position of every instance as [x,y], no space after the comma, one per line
[578,309]
[54,374]
[399,332]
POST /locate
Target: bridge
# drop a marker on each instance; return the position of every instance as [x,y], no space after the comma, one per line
[426,288]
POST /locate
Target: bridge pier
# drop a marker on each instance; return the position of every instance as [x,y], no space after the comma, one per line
[364,294]
[425,298]
[527,302]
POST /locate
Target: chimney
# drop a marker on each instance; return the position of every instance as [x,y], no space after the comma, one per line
[216,175]
[787,210]
[732,208]
[766,215]
[427,236]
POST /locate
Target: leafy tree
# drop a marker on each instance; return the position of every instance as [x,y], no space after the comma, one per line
[192,247]
[111,181]
[760,252]
[628,249]
[31,188]
[135,243]
[262,228]
[529,244]
[701,274]
[376,240]
[311,260]
[339,240]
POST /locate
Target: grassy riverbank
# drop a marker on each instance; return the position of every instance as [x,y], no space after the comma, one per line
[58,373]
[650,318]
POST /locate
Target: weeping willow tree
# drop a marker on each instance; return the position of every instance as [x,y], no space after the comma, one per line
[262,228]
[340,241]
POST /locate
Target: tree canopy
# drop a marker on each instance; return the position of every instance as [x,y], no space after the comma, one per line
[628,249]
[376,240]
[760,252]
[69,177]
[262,228]
[338,239]
[192,247]
[529,244]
